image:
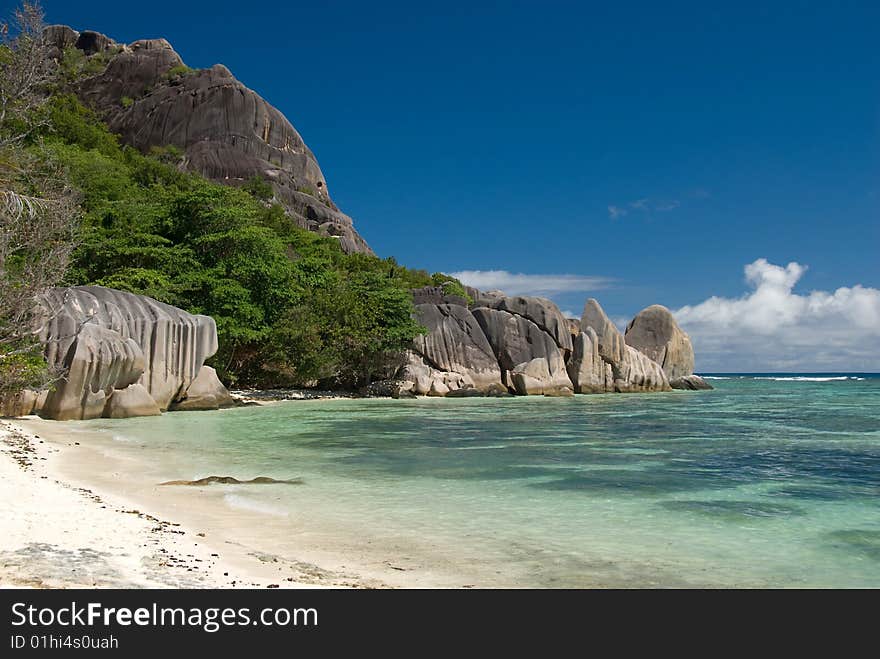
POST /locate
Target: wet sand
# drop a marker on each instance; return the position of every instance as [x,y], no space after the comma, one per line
[61,528]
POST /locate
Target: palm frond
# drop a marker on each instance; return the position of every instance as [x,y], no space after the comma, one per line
[17,205]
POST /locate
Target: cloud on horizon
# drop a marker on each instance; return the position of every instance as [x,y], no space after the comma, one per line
[645,206]
[772,328]
[525,284]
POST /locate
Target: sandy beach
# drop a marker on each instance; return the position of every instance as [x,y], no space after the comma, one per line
[58,533]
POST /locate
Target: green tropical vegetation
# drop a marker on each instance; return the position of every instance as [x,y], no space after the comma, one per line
[292,309]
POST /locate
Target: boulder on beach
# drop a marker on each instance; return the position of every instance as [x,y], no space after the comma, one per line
[123,354]
[205,393]
[132,401]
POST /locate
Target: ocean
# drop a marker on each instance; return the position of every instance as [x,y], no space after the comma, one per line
[770,480]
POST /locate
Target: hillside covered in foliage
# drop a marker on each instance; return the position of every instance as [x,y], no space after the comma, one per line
[292,308]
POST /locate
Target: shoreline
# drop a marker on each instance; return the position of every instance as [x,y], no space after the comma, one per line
[61,531]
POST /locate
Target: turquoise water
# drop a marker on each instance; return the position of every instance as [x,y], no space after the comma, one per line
[765,481]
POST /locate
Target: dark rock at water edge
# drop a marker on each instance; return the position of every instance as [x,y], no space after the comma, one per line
[692,382]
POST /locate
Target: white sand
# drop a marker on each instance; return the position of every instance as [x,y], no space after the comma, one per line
[56,534]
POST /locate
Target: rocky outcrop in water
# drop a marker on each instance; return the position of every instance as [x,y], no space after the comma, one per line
[630,370]
[227,132]
[589,373]
[525,346]
[654,333]
[123,355]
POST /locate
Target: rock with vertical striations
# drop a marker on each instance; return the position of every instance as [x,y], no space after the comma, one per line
[106,341]
[58,38]
[631,371]
[589,373]
[454,354]
[531,362]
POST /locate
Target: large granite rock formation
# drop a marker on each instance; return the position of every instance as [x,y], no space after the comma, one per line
[492,349]
[531,361]
[454,354]
[123,355]
[589,373]
[630,370]
[227,132]
[654,333]
[540,311]
[525,345]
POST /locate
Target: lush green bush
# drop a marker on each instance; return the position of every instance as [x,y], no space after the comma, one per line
[75,64]
[259,188]
[451,285]
[291,307]
[179,70]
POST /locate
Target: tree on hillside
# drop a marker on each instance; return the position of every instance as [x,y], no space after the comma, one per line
[38,213]
[26,71]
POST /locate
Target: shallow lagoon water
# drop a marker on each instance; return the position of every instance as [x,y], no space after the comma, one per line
[769,480]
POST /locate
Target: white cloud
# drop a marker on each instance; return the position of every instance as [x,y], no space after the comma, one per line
[665,206]
[523,284]
[616,211]
[645,206]
[773,328]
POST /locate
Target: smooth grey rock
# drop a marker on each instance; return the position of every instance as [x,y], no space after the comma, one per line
[631,371]
[105,340]
[98,360]
[531,362]
[655,333]
[638,373]
[610,341]
[589,373]
[541,311]
[57,38]
[205,393]
[132,401]
[453,354]
[473,293]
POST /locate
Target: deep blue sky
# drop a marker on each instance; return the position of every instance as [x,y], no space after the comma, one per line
[479,136]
